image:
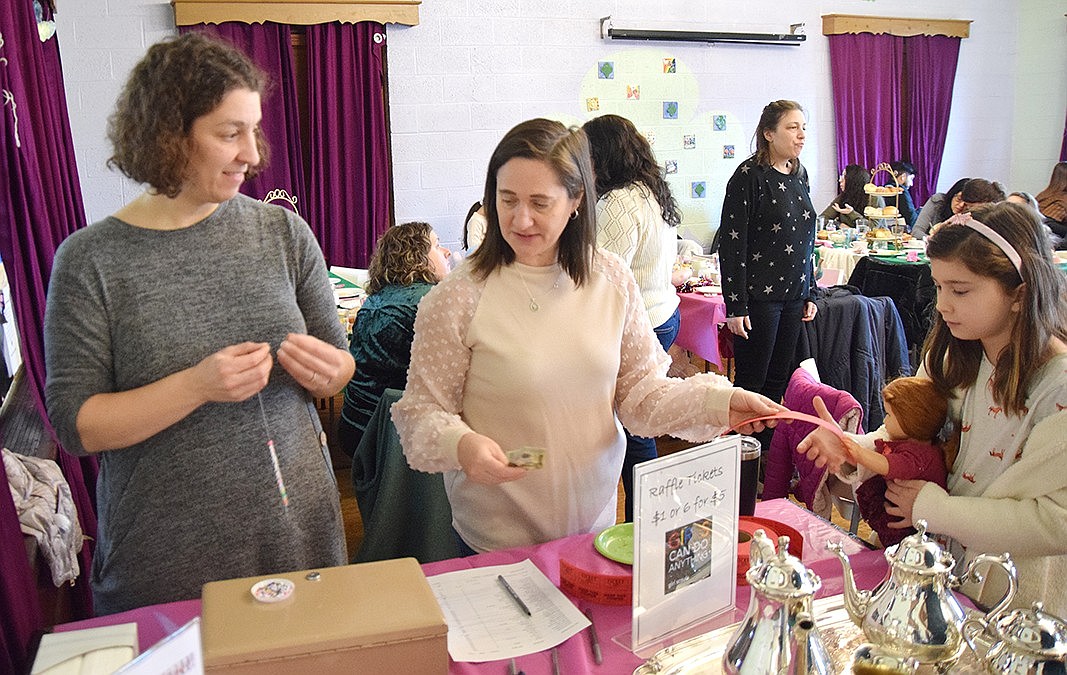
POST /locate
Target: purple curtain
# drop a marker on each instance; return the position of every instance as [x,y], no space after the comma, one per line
[349,158]
[892,97]
[40,204]
[866,74]
[929,73]
[269,46]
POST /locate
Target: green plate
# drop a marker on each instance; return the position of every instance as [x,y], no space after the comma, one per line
[617,543]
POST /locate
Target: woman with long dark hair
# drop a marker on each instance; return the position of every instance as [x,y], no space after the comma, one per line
[636,219]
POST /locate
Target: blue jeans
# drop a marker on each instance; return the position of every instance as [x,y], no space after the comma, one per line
[638,448]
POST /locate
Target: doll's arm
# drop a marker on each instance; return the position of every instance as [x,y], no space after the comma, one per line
[870,459]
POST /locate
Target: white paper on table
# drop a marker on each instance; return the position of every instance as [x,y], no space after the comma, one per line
[486,624]
[180,652]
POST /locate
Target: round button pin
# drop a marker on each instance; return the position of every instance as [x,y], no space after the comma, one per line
[272,590]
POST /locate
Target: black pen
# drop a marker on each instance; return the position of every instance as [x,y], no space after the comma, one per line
[594,641]
[513,594]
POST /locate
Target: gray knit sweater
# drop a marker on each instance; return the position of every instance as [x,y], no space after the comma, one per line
[198,501]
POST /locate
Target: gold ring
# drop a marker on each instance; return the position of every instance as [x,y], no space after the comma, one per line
[314,376]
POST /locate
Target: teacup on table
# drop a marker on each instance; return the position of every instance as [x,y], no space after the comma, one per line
[859,246]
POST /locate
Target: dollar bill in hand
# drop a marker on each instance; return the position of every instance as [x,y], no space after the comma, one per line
[527,457]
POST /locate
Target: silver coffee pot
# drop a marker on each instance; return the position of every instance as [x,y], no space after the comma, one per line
[913,610]
[1021,642]
[778,634]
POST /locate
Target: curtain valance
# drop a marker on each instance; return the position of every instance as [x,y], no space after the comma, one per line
[296,12]
[839,24]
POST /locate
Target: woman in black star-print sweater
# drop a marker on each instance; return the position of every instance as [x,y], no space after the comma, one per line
[766,239]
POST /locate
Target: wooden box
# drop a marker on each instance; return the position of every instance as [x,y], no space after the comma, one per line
[376,617]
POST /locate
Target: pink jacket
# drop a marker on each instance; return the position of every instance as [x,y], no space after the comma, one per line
[782,460]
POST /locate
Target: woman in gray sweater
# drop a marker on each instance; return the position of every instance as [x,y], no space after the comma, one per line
[185,337]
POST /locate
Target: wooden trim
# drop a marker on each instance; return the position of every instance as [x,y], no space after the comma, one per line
[296,12]
[837,24]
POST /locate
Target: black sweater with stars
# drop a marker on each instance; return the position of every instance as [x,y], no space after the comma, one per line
[767,237]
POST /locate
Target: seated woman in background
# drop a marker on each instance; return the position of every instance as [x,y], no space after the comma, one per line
[964,195]
[1027,199]
[408,260]
[1052,201]
[937,209]
[848,206]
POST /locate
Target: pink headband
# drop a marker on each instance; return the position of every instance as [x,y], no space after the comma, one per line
[981,228]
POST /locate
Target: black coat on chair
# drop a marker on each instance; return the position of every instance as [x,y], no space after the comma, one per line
[911,288]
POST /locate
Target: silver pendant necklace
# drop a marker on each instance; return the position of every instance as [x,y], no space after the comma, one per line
[533,303]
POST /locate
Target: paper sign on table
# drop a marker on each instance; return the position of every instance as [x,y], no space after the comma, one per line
[685,535]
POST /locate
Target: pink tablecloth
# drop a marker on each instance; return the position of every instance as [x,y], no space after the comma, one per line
[575,654]
[699,331]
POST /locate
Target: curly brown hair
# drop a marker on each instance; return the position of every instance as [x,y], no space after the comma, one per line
[175,83]
[402,257]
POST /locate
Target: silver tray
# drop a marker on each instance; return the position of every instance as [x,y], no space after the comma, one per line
[702,655]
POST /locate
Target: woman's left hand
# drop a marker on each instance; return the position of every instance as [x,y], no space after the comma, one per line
[810,310]
[900,496]
[745,405]
[319,367]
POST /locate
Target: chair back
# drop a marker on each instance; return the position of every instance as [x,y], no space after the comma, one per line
[859,344]
[405,512]
[910,286]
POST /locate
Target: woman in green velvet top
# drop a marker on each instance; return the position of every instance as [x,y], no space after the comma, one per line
[408,260]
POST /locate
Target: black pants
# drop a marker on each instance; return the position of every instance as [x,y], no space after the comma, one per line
[764,362]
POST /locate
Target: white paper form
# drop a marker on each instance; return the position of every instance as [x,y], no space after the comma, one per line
[486,624]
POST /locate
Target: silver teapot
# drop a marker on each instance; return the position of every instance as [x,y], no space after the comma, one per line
[778,634]
[1022,642]
[913,610]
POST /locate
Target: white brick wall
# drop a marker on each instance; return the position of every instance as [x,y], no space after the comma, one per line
[474,68]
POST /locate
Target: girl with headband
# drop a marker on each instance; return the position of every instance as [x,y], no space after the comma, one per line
[998,348]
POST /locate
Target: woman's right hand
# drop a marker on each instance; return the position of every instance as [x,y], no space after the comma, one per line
[484,462]
[823,446]
[843,210]
[739,325]
[234,373]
